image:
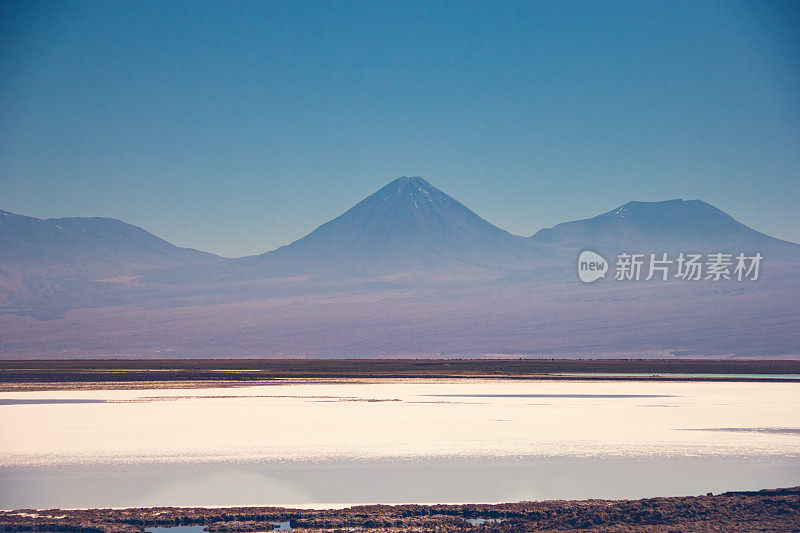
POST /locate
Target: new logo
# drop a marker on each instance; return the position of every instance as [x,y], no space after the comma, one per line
[591,266]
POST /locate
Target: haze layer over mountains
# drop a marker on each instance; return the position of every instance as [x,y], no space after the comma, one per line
[408,271]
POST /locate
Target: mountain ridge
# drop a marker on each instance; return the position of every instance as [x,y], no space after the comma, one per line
[28,236]
[416,195]
[407,227]
[407,271]
[665,226]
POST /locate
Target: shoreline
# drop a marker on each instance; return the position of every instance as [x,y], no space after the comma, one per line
[764,510]
[188,384]
[41,375]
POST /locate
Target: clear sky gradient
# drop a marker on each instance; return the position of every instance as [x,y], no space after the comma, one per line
[238,127]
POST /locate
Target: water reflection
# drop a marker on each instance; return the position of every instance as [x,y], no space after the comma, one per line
[479,521]
[325,484]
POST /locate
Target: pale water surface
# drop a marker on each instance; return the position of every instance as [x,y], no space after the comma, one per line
[400,441]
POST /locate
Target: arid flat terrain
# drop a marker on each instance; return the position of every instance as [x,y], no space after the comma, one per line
[767,510]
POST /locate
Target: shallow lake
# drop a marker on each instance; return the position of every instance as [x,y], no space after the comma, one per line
[332,444]
[675,375]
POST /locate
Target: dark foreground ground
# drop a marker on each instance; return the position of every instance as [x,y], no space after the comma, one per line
[130,373]
[767,510]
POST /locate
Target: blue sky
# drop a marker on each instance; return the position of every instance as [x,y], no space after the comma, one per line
[238,127]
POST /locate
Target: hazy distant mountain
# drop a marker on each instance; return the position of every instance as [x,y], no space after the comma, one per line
[670,226]
[408,271]
[86,241]
[50,266]
[408,226]
[409,229]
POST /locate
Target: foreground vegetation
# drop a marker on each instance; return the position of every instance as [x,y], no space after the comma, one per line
[767,510]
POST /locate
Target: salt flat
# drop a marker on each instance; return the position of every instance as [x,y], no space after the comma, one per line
[399,419]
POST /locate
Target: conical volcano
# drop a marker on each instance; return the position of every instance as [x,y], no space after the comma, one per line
[407,226]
